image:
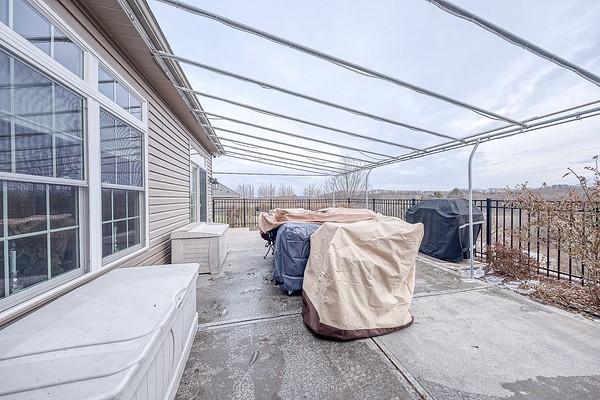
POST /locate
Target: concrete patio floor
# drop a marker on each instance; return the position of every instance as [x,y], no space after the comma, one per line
[470,340]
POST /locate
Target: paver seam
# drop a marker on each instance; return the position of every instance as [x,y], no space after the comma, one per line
[209,326]
[421,391]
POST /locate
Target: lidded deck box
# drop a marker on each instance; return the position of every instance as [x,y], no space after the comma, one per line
[125,335]
[204,243]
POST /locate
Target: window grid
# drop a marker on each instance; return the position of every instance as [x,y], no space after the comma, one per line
[77,68]
[51,130]
[7,237]
[112,221]
[134,104]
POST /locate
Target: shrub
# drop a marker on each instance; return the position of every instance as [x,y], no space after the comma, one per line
[510,262]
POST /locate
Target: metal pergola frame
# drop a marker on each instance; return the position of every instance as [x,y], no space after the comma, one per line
[321,166]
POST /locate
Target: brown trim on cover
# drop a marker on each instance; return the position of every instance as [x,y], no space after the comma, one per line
[311,319]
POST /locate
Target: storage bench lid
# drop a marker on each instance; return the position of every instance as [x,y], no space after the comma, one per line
[90,342]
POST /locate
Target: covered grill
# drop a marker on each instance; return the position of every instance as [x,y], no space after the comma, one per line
[446,224]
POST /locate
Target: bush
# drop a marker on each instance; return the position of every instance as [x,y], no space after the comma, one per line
[573,220]
[510,262]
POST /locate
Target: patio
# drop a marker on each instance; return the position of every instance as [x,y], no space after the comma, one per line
[470,340]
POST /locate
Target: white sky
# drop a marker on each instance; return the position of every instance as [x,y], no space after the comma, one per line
[416,42]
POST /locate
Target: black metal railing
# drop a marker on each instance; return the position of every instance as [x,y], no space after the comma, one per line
[502,223]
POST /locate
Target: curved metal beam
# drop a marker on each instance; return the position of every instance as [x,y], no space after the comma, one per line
[299,95]
[334,60]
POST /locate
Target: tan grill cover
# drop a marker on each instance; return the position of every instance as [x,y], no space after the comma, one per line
[274,218]
[360,277]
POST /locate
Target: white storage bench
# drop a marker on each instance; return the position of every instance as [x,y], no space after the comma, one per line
[204,243]
[125,335]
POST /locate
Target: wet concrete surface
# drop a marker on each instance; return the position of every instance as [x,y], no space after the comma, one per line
[281,359]
[470,340]
[492,344]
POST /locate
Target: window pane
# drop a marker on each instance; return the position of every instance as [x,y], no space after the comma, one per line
[133,204]
[106,205]
[63,206]
[26,207]
[119,204]
[123,174]
[33,151]
[28,257]
[64,251]
[120,233]
[135,106]
[33,95]
[5,164]
[121,152]
[67,53]
[69,157]
[68,112]
[1,218]
[106,83]
[107,248]
[31,25]
[122,97]
[4,20]
[4,82]
[2,277]
[133,227]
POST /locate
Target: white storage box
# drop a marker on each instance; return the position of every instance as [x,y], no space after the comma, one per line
[125,335]
[204,243]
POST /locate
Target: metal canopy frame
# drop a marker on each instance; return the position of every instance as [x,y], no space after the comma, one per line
[322,166]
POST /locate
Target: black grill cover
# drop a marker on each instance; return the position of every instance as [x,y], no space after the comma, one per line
[446,227]
[292,248]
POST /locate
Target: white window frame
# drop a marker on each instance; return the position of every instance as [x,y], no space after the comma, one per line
[201,166]
[90,221]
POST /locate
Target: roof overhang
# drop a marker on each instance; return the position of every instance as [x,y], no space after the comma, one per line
[133,28]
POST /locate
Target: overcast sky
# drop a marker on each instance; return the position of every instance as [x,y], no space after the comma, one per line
[416,42]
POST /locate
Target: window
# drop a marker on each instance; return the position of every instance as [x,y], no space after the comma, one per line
[122,182]
[198,193]
[30,24]
[39,239]
[41,135]
[117,92]
[41,124]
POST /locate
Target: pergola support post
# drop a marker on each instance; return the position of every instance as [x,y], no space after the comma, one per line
[367,188]
[471,244]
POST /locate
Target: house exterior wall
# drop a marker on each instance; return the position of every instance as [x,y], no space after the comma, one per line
[168,142]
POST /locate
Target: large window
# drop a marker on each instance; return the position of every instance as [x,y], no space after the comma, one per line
[30,24]
[41,136]
[41,124]
[49,232]
[122,184]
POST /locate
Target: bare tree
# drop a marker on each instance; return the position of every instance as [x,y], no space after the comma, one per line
[314,191]
[285,191]
[268,190]
[245,190]
[349,185]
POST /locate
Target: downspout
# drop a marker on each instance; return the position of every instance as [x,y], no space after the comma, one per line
[471,244]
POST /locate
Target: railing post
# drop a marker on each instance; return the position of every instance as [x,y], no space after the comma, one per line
[488,223]
[244,212]
[373,201]
[213,210]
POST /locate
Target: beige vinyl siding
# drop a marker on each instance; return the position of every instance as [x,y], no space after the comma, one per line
[168,144]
